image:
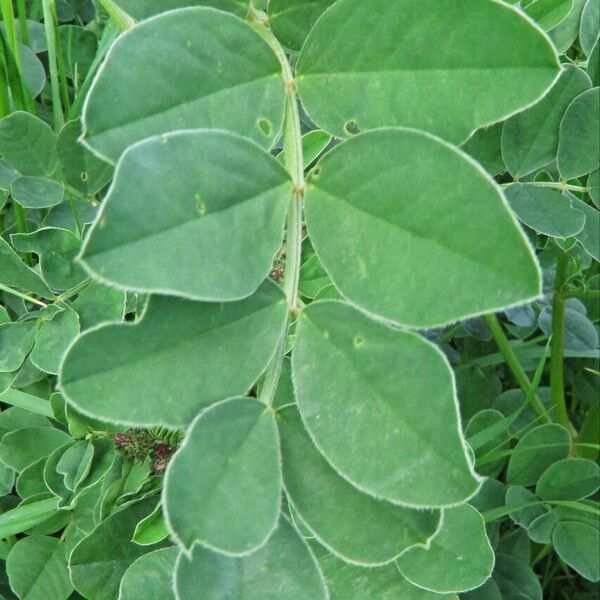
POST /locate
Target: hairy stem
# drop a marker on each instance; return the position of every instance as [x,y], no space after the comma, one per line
[294,162]
[557,382]
[515,366]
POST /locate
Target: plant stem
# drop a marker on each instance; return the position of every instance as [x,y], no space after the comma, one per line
[22,11]
[12,292]
[557,383]
[8,16]
[515,366]
[294,163]
[49,8]
[556,185]
[4,97]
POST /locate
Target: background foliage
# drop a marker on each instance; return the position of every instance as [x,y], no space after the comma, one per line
[299,299]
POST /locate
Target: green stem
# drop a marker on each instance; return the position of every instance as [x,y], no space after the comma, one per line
[4,95]
[515,366]
[12,292]
[294,162]
[49,8]
[557,382]
[581,294]
[8,16]
[22,10]
[555,185]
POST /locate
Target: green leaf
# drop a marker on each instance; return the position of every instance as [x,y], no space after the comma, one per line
[578,545]
[397,65]
[328,505]
[589,236]
[545,210]
[530,138]
[589,28]
[152,529]
[37,569]
[569,479]
[578,148]
[516,577]
[313,277]
[291,20]
[535,452]
[80,168]
[31,480]
[459,559]
[98,303]
[313,144]
[23,447]
[16,341]
[420,254]
[99,561]
[57,249]
[127,101]
[231,186]
[79,47]
[36,192]
[75,464]
[7,175]
[142,9]
[564,35]
[150,576]
[484,147]
[549,13]
[360,387]
[494,420]
[223,486]
[283,569]
[28,144]
[15,273]
[26,516]
[181,357]
[52,340]
[384,583]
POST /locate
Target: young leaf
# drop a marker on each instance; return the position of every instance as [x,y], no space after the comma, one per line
[242,91]
[178,248]
[28,144]
[99,561]
[423,241]
[535,452]
[223,487]
[578,148]
[530,138]
[37,569]
[353,525]
[544,210]
[395,64]
[361,387]
[150,576]
[36,192]
[578,545]
[152,529]
[283,569]
[569,479]
[181,357]
[460,557]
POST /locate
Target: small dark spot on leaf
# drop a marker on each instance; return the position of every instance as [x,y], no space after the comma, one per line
[315,173]
[352,127]
[265,126]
